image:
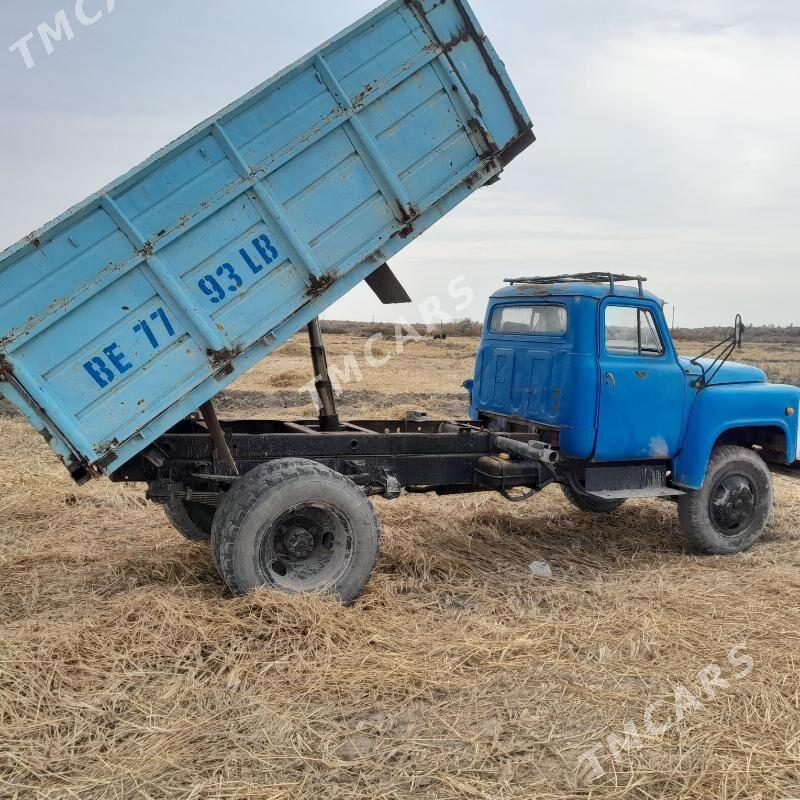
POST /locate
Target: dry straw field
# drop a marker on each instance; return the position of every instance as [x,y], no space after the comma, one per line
[126,671]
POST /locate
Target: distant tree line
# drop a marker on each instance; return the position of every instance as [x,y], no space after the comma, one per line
[461,327]
[467,327]
[755,333]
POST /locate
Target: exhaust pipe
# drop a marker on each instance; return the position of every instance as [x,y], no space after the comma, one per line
[533,451]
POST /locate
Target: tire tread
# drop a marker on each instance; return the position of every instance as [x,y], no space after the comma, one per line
[180,519]
[245,493]
[692,507]
[585,502]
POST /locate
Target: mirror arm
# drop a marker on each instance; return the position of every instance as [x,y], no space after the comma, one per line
[730,344]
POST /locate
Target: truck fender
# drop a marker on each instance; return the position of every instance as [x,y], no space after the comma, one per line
[721,409]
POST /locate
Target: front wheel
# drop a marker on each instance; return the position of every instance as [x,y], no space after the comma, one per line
[296,526]
[729,513]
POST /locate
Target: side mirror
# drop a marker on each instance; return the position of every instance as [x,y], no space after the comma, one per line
[738,331]
[723,351]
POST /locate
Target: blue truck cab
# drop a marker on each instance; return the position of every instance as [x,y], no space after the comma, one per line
[586,363]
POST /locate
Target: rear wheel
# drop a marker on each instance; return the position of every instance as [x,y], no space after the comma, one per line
[193,521]
[729,513]
[296,526]
[588,502]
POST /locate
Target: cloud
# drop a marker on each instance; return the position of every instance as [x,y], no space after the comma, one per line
[720,105]
[668,137]
[668,145]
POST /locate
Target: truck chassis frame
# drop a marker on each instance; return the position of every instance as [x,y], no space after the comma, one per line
[383,457]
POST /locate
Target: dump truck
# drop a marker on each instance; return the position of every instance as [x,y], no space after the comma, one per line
[577,383]
[123,319]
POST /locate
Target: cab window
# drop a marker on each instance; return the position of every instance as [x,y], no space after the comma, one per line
[632,331]
[538,319]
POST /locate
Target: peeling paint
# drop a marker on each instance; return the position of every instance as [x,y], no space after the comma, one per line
[658,447]
[317,285]
[224,357]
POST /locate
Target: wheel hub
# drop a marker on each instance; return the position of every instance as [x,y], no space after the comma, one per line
[733,504]
[308,547]
[299,542]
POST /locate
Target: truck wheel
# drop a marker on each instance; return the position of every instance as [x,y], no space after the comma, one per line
[588,502]
[296,526]
[730,511]
[193,521]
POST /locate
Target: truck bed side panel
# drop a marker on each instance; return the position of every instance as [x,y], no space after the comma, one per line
[147,299]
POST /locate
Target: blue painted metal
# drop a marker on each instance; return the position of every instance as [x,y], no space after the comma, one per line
[642,397]
[730,372]
[719,409]
[128,312]
[551,380]
[650,409]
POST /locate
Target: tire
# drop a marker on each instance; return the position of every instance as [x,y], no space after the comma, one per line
[193,521]
[729,513]
[296,526]
[589,503]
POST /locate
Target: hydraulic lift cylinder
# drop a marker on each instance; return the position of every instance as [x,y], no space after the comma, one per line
[328,417]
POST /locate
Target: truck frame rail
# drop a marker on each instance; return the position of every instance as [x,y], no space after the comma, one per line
[383,457]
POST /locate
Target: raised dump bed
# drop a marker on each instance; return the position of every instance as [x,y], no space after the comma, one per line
[133,309]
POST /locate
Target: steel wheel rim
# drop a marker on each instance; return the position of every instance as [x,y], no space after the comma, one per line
[732,504]
[306,548]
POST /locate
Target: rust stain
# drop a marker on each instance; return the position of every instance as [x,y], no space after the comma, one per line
[408,214]
[224,372]
[363,94]
[461,36]
[476,102]
[223,357]
[320,284]
[404,233]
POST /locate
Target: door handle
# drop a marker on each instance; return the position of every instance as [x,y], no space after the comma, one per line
[641,373]
[611,380]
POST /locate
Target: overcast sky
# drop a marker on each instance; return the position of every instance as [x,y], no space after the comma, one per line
[668,135]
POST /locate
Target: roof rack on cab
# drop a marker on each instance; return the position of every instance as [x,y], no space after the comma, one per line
[584,277]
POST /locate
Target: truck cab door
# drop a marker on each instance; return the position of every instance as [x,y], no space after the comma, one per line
[641,393]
